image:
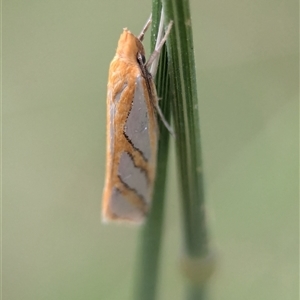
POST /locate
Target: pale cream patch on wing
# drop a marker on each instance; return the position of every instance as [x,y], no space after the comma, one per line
[134,177]
[121,208]
[137,125]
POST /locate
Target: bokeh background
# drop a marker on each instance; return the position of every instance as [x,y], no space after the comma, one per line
[56,56]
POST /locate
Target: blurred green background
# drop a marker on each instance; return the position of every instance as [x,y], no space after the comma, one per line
[56,56]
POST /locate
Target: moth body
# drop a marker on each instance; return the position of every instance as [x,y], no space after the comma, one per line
[131,134]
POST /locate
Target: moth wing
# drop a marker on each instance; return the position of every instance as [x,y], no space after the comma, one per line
[131,202]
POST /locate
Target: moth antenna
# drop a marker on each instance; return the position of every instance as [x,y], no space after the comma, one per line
[145,28]
[161,39]
[153,63]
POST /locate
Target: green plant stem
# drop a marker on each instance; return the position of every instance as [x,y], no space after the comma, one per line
[185,113]
[188,147]
[195,292]
[151,234]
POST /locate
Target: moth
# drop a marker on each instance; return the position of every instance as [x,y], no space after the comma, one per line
[132,130]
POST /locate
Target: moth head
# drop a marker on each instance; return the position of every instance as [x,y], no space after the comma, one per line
[129,46]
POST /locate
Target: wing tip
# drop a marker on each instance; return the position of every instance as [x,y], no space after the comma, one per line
[110,218]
